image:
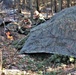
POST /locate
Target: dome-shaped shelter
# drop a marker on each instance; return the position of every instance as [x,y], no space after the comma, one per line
[57,35]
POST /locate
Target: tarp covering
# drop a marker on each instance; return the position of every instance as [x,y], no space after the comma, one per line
[57,35]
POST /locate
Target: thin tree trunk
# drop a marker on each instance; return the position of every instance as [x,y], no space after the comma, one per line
[60,5]
[68,3]
[37,5]
[31,10]
[55,6]
[19,6]
[52,7]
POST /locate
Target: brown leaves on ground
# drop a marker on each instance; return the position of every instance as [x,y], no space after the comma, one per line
[30,63]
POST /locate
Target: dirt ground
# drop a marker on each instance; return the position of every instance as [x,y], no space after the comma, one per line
[34,63]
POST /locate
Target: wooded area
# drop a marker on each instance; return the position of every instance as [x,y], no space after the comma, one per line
[37,37]
[47,6]
[51,6]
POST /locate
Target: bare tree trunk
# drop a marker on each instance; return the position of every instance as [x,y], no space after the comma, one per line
[31,10]
[19,6]
[37,5]
[60,5]
[52,7]
[55,6]
[68,3]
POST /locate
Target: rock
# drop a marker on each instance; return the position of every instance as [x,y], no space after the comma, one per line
[57,35]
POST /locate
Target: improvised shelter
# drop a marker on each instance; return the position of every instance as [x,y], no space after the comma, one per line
[57,35]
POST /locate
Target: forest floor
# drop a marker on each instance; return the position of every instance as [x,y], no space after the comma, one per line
[29,64]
